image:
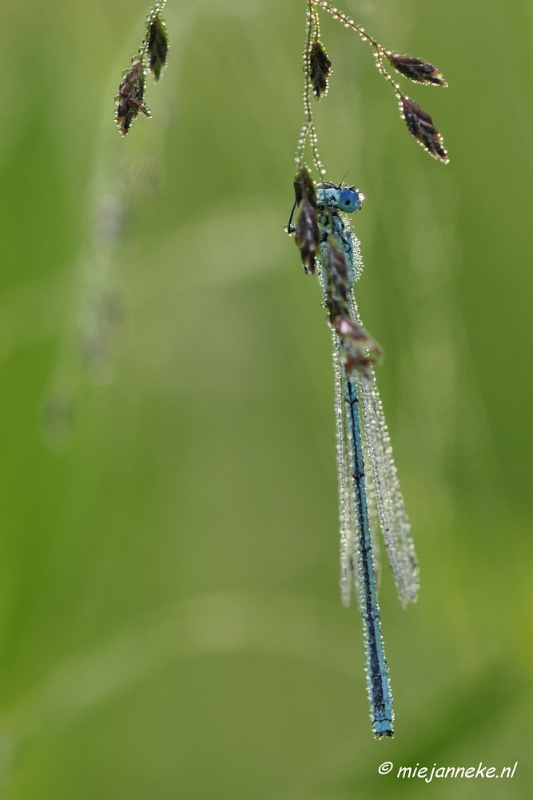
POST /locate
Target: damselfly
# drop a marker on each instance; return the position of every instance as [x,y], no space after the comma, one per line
[366,470]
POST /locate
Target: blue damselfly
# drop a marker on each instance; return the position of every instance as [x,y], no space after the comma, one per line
[366,469]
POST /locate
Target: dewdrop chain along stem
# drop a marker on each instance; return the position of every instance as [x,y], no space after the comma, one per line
[379,51]
[347,21]
[419,122]
[308,131]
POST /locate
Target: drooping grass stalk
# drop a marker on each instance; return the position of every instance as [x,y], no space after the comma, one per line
[151,57]
[317,71]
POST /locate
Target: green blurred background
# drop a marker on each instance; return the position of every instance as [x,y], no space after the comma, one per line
[169,608]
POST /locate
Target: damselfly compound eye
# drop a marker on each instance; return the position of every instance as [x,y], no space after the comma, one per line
[350,200]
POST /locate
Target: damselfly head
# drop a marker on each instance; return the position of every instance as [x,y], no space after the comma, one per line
[345,198]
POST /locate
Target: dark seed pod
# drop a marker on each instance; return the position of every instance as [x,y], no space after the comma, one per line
[130,96]
[156,44]
[306,235]
[304,186]
[359,362]
[421,127]
[319,69]
[337,277]
[358,350]
[416,70]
